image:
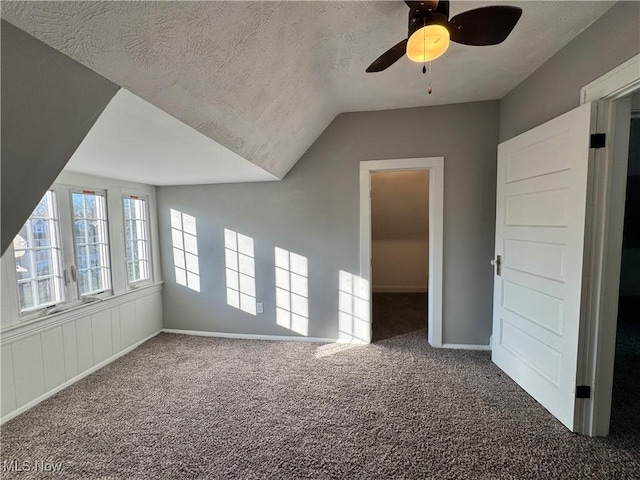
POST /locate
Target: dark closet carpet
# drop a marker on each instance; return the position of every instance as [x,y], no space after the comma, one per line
[194,407]
[625,409]
[398,313]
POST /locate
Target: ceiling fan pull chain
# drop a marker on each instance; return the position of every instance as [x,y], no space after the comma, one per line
[429,89]
[424,48]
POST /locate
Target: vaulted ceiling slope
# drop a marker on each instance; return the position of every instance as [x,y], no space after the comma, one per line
[264,79]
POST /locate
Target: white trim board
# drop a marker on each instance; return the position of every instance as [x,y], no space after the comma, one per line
[18,331]
[80,376]
[602,257]
[435,165]
[251,336]
[618,82]
[464,346]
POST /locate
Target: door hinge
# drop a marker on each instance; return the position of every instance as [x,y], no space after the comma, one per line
[597,140]
[497,262]
[583,391]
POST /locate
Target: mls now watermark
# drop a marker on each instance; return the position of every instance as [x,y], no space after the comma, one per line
[31,466]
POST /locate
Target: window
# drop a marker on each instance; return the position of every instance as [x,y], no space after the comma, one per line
[91,242]
[136,233]
[63,254]
[38,258]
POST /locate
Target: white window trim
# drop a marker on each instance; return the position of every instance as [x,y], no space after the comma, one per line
[146,198]
[56,239]
[107,292]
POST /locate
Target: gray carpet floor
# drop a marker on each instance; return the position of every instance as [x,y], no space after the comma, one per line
[193,407]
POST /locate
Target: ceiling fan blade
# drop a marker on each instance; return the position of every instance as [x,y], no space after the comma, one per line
[426,5]
[484,26]
[389,57]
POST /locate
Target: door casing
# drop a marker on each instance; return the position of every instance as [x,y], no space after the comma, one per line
[435,165]
[605,220]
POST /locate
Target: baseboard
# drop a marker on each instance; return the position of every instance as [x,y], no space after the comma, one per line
[70,382]
[464,346]
[250,336]
[398,289]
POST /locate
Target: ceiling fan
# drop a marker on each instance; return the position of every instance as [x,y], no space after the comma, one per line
[431,30]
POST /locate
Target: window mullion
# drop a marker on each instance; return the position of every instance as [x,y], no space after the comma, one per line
[67,240]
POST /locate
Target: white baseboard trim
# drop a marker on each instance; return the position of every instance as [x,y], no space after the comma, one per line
[251,336]
[80,376]
[398,289]
[464,346]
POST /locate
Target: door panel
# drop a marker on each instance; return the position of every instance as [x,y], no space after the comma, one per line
[540,228]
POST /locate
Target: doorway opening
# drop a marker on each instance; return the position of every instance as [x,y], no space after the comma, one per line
[625,405]
[433,167]
[399,252]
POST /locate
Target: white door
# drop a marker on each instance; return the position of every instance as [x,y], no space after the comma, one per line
[540,230]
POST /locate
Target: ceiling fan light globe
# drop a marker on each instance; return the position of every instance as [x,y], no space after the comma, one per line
[428,43]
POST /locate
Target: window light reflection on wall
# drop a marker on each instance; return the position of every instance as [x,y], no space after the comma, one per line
[240,271]
[354,325]
[184,239]
[292,291]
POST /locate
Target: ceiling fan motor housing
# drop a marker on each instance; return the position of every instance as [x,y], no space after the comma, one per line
[423,13]
[417,20]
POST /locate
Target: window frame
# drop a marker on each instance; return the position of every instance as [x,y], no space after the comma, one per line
[149,248]
[56,245]
[73,264]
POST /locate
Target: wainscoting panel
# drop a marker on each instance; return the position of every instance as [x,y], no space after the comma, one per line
[128,321]
[8,399]
[85,343]
[70,342]
[53,358]
[42,358]
[115,330]
[102,340]
[28,369]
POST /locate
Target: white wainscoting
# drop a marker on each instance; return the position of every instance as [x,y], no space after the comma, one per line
[42,358]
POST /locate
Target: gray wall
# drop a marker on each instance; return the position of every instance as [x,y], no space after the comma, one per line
[314,212]
[554,88]
[49,103]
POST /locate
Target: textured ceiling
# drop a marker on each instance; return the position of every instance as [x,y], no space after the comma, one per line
[264,79]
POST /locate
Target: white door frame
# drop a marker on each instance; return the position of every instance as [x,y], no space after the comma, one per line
[435,166]
[605,222]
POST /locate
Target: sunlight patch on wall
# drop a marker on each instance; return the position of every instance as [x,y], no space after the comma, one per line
[354,325]
[292,291]
[240,265]
[184,239]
